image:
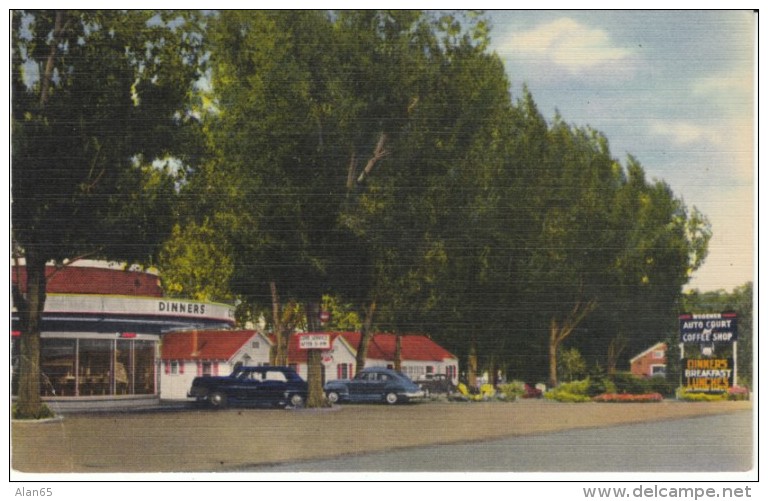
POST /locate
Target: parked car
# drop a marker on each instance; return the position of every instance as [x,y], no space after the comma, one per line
[434,384]
[263,385]
[374,384]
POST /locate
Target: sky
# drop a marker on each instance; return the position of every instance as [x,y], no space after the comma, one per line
[675,89]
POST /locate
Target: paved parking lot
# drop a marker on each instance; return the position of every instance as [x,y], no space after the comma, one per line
[200,440]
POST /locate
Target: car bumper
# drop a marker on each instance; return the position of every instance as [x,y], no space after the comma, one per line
[197,393]
[414,395]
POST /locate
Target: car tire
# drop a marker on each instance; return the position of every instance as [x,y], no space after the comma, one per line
[296,400]
[333,397]
[217,400]
[391,398]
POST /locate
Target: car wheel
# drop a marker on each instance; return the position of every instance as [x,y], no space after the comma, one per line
[333,397]
[217,400]
[296,400]
[391,398]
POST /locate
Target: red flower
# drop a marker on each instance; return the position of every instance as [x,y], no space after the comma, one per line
[626,397]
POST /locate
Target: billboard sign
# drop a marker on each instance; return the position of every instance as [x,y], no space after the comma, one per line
[706,328]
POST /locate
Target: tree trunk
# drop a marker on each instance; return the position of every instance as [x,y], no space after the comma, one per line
[472,364]
[365,338]
[30,308]
[615,349]
[559,331]
[553,344]
[315,394]
[398,362]
[279,352]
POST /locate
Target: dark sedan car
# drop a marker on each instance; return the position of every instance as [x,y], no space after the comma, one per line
[374,384]
[436,384]
[263,385]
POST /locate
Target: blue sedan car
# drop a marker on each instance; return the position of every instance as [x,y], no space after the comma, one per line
[374,384]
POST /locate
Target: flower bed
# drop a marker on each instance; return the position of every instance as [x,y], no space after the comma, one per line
[628,397]
[733,393]
[738,393]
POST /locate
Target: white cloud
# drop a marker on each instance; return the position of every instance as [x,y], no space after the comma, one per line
[727,142]
[685,133]
[565,43]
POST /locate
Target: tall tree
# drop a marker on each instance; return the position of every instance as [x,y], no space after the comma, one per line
[98,96]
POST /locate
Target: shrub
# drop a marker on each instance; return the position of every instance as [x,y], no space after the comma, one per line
[512,390]
[629,383]
[564,396]
[45,412]
[659,384]
[599,385]
[575,391]
[690,396]
[733,393]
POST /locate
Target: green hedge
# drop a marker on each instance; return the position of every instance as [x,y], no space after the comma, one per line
[512,390]
[622,383]
[575,391]
[45,412]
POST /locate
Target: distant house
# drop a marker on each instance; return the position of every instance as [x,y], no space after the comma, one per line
[186,355]
[651,362]
[419,355]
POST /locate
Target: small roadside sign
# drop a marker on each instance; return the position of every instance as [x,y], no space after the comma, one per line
[314,341]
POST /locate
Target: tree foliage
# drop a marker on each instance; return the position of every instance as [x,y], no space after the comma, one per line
[379,156]
[373,157]
[98,97]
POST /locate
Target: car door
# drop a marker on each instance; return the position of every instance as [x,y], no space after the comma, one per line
[249,387]
[375,387]
[241,386]
[272,388]
[358,385]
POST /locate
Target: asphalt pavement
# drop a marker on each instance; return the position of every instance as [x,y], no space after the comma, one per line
[701,444]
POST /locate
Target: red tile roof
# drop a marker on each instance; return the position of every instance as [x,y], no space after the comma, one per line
[222,345]
[211,344]
[382,347]
[84,280]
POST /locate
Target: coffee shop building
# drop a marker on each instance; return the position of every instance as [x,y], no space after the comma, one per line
[101,333]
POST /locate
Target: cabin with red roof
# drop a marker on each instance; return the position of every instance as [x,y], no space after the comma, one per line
[419,355]
[186,355]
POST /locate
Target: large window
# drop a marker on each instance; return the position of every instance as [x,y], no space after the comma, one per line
[144,367]
[58,367]
[95,367]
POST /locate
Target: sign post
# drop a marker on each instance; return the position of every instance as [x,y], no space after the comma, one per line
[315,343]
